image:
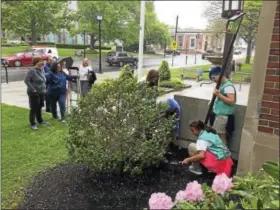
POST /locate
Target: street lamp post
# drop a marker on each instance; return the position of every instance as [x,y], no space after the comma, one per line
[84,43]
[230,8]
[232,11]
[99,19]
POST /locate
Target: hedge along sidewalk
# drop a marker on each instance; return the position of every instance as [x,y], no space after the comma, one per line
[25,153]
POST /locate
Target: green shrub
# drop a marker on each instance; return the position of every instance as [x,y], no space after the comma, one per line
[174,83]
[14,45]
[164,72]
[79,46]
[115,129]
[45,43]
[126,72]
[150,52]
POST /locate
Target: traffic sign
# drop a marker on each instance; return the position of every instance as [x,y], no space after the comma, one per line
[174,45]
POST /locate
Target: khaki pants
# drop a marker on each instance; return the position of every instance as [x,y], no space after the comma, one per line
[192,149]
[220,124]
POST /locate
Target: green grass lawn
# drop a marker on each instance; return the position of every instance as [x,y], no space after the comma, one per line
[25,152]
[5,51]
[191,72]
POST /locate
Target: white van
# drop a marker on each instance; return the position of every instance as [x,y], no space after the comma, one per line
[50,51]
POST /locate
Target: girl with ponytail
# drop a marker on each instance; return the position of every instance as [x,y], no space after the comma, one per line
[209,150]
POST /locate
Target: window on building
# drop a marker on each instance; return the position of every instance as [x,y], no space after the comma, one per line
[193,42]
[181,40]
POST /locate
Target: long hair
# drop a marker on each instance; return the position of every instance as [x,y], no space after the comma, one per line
[152,78]
[199,125]
[54,67]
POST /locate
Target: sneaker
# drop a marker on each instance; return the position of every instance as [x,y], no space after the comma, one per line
[195,168]
[44,123]
[63,121]
[34,127]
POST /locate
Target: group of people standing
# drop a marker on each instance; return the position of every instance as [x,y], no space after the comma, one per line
[47,85]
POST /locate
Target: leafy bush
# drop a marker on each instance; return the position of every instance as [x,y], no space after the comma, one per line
[174,83]
[253,192]
[79,46]
[14,45]
[117,128]
[164,72]
[45,43]
[126,72]
[150,52]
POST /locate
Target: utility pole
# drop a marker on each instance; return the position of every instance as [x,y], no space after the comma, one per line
[196,38]
[176,29]
[141,40]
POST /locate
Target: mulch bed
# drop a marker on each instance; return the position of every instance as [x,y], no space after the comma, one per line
[70,186]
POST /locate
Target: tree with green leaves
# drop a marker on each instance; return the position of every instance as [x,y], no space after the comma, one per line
[117,17]
[34,18]
[249,25]
[120,22]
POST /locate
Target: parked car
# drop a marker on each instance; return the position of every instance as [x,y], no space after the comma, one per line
[50,51]
[170,52]
[208,53]
[121,58]
[22,58]
[237,52]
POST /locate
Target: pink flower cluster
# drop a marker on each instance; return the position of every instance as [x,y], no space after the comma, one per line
[160,201]
[193,192]
[222,184]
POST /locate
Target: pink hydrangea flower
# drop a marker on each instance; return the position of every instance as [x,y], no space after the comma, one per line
[194,192]
[181,195]
[160,201]
[222,184]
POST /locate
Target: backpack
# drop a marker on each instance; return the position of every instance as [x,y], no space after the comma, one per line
[91,77]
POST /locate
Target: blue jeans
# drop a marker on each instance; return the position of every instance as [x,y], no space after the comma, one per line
[61,99]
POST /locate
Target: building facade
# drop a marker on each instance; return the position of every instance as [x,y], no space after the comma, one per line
[260,135]
[196,40]
[64,36]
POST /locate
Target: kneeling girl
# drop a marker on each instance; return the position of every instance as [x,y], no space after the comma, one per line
[209,150]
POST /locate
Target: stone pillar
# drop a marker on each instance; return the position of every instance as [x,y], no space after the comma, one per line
[260,135]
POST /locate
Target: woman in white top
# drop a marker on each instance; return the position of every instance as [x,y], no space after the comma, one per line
[84,70]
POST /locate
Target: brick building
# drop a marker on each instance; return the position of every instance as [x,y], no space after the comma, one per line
[260,135]
[187,40]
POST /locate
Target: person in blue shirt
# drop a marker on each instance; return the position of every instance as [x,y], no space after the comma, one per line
[174,109]
[56,91]
[47,69]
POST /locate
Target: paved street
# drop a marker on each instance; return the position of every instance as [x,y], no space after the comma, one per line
[18,74]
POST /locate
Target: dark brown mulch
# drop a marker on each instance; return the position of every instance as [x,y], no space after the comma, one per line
[69,186]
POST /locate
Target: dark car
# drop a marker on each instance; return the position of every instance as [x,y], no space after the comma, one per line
[237,52]
[170,52]
[208,53]
[121,58]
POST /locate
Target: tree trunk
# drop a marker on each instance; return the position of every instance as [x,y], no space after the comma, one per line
[249,52]
[33,31]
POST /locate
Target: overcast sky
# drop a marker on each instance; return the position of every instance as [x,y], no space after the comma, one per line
[190,13]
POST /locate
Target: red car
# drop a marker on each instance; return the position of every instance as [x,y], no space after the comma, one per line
[23,58]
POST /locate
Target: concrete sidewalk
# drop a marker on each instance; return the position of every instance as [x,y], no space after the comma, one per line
[15,94]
